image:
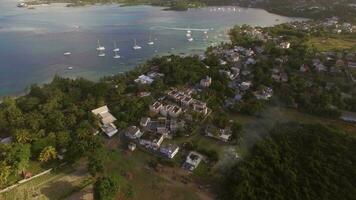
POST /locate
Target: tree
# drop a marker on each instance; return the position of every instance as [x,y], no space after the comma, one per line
[22,136]
[18,157]
[5,171]
[236,130]
[106,188]
[47,154]
[96,162]
[296,161]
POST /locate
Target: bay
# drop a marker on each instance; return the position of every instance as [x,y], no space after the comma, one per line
[33,41]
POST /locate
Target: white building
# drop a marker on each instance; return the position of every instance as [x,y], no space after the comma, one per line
[133,132]
[169,150]
[192,161]
[107,120]
[205,82]
[143,79]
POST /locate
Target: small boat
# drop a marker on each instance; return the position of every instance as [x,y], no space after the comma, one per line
[101,54]
[70,68]
[116,56]
[136,47]
[190,39]
[205,32]
[21,5]
[100,48]
[116,49]
[150,42]
[67,53]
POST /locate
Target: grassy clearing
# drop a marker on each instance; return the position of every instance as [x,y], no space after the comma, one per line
[335,43]
[257,127]
[57,184]
[145,182]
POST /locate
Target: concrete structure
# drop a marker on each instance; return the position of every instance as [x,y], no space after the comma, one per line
[192,161]
[133,132]
[107,120]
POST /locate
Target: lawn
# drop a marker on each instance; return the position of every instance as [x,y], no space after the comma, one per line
[143,181]
[256,128]
[334,43]
[57,184]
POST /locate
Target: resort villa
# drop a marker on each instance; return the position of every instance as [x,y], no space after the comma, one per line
[107,120]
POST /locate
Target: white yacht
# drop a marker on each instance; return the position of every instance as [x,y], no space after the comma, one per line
[116,49]
[116,56]
[150,41]
[70,68]
[136,47]
[67,53]
[190,39]
[189,33]
[100,48]
[101,54]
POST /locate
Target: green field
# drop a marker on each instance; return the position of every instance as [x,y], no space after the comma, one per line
[332,43]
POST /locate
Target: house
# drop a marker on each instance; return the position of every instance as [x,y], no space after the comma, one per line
[250,61]
[264,94]
[186,101]
[348,116]
[319,66]
[175,111]
[107,120]
[192,161]
[143,79]
[6,140]
[245,85]
[151,140]
[165,110]
[132,146]
[154,75]
[304,68]
[220,134]
[200,107]
[169,150]
[109,129]
[156,107]
[204,83]
[143,94]
[145,121]
[227,73]
[235,71]
[133,132]
[284,45]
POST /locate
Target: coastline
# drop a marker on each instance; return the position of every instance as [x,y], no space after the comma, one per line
[191,50]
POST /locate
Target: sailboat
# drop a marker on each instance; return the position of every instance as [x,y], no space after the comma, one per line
[101,54]
[189,33]
[116,49]
[100,48]
[150,42]
[136,47]
[116,56]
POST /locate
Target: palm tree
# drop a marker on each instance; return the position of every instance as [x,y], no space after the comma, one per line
[5,171]
[47,154]
[22,136]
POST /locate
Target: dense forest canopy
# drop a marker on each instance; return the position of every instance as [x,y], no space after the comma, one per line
[297,161]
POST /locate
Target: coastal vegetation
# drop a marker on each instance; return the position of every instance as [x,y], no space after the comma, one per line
[318,9]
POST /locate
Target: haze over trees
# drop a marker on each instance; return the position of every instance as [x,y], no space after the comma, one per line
[297,161]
